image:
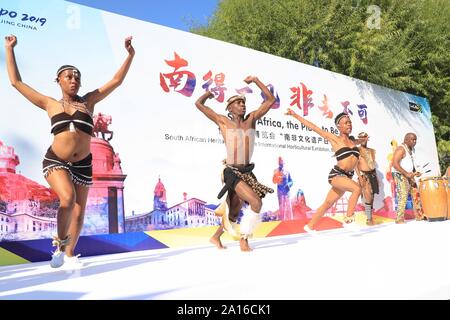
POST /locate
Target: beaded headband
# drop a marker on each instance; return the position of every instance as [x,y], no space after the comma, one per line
[68,67]
[235,98]
[339,117]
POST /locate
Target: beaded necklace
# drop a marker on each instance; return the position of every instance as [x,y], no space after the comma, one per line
[81,106]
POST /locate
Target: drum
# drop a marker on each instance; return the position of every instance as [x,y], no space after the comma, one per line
[433,195]
[448,197]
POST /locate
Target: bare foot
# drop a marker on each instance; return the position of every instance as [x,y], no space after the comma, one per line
[244,245]
[217,243]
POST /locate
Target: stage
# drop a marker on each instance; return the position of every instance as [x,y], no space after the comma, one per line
[386,261]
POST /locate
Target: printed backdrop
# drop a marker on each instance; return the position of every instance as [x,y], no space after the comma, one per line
[157,159]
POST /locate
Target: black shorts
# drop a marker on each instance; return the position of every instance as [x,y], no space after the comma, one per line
[336,171]
[232,176]
[80,171]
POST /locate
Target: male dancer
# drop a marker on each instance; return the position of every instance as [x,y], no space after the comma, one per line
[238,131]
[367,176]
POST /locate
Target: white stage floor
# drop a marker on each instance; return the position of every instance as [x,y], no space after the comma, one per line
[388,261]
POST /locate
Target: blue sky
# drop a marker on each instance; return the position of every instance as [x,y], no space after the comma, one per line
[178,14]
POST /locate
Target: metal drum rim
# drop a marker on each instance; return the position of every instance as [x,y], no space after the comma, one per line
[432,178]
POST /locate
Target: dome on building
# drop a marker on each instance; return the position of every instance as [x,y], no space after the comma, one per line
[159,198]
[13,186]
[160,190]
[8,159]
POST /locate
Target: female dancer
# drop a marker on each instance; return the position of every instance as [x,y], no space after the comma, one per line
[67,165]
[340,177]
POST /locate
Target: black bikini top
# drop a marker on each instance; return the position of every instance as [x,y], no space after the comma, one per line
[346,152]
[80,120]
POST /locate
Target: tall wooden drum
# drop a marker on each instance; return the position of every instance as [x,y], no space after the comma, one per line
[433,195]
[447,180]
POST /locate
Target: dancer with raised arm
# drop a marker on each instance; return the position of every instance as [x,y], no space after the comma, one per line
[240,184]
[340,177]
[67,165]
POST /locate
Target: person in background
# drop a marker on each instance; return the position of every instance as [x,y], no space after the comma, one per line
[404,171]
[367,176]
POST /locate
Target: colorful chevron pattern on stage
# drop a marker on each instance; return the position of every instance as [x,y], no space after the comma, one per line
[18,252]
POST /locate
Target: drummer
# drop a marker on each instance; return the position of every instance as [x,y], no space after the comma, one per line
[404,172]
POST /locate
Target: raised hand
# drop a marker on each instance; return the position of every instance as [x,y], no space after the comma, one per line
[290,112]
[210,95]
[128,45]
[250,79]
[10,41]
